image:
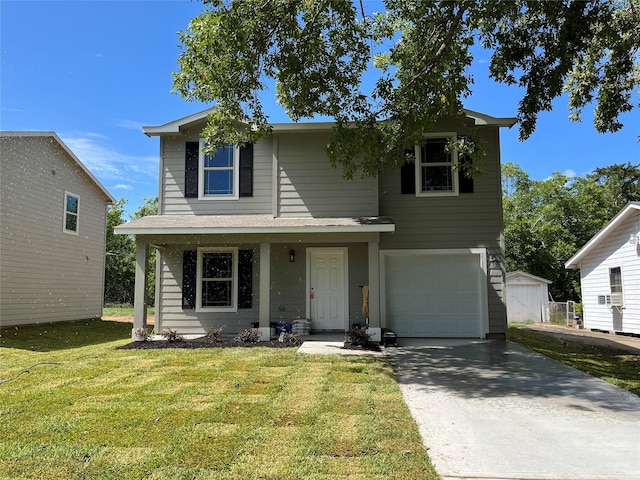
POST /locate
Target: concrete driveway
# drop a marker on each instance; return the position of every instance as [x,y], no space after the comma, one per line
[495,410]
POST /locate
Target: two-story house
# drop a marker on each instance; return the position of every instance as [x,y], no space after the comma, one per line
[270,232]
[53,224]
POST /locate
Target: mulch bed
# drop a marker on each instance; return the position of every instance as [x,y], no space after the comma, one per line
[204,343]
[200,343]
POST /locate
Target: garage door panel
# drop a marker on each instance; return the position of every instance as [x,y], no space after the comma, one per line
[433,295]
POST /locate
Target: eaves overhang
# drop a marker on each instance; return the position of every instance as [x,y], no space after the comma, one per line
[630,208]
[251,224]
[181,124]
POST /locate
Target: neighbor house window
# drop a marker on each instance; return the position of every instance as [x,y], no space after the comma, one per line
[71,208]
[218,172]
[615,283]
[217,280]
[435,166]
[615,280]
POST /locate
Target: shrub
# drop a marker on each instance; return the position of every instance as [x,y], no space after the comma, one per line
[171,335]
[292,338]
[248,335]
[141,334]
[358,336]
[214,334]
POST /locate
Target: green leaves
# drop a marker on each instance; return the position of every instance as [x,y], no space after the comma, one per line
[547,221]
[387,77]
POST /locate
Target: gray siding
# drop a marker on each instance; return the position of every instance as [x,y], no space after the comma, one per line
[465,221]
[308,186]
[47,275]
[173,201]
[288,294]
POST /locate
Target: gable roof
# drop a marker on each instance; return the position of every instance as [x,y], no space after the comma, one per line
[177,126]
[520,273]
[630,209]
[74,158]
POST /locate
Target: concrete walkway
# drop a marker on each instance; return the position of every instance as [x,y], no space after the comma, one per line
[495,410]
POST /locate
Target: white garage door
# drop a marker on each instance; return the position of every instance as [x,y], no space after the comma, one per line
[434,294]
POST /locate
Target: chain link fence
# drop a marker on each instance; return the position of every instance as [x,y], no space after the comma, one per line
[563,313]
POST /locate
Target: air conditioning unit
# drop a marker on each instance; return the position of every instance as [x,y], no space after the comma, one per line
[616,300]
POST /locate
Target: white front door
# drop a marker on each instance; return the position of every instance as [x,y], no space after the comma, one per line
[327,288]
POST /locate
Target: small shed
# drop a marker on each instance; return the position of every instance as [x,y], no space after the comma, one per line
[527,297]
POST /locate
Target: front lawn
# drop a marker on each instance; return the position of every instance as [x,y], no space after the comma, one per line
[123,311]
[91,411]
[618,367]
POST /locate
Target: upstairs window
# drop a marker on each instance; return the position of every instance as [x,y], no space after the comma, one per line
[218,173]
[436,166]
[71,209]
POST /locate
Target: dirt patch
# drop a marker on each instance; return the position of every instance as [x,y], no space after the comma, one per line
[609,340]
[125,319]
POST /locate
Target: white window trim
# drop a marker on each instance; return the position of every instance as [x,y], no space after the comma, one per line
[453,137]
[236,175]
[234,287]
[65,212]
[616,298]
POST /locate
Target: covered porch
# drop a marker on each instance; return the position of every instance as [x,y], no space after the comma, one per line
[278,269]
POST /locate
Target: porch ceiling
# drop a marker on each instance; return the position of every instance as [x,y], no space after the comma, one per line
[228,224]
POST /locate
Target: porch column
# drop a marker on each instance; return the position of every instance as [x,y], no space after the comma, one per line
[374,292]
[140,295]
[265,291]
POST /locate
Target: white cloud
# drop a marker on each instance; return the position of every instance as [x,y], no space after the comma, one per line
[121,186]
[107,164]
[129,124]
[570,173]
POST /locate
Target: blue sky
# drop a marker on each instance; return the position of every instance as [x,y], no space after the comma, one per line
[95,72]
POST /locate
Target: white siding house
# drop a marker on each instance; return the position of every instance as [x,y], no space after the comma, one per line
[527,297]
[52,232]
[610,274]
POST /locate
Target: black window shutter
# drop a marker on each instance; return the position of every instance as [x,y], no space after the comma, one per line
[465,182]
[408,176]
[246,170]
[191,170]
[189,276]
[245,278]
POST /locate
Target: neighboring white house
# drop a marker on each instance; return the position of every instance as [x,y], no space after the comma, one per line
[610,274]
[271,231]
[527,297]
[52,232]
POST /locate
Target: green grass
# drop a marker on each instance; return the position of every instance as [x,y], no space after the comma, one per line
[123,311]
[101,413]
[617,367]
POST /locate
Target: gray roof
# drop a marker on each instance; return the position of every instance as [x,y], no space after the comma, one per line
[227,224]
[176,126]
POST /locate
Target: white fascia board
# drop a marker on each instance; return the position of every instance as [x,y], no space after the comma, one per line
[483,119]
[520,273]
[122,230]
[574,262]
[176,126]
